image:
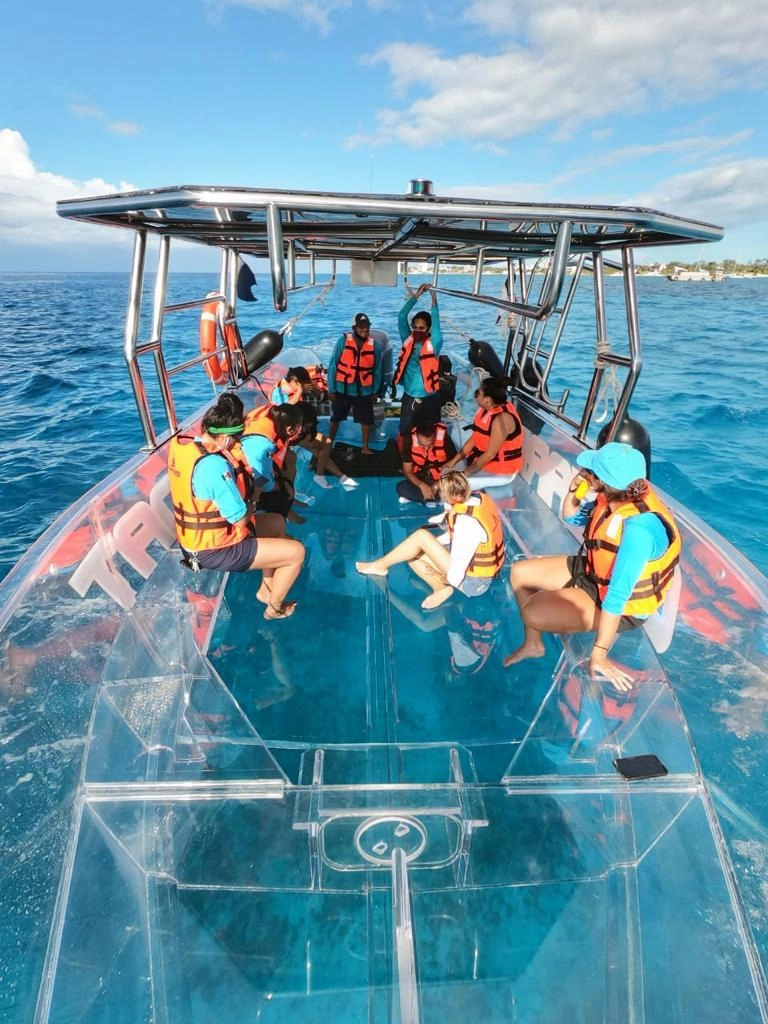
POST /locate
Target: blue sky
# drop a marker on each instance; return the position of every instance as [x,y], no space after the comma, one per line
[649,103]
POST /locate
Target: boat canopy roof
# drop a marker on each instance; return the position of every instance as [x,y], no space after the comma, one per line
[365,226]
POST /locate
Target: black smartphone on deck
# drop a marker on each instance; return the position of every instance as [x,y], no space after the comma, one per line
[643,766]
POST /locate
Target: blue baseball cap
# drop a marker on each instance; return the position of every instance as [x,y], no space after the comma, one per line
[616,464]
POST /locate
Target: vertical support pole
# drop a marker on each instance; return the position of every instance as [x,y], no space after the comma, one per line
[132,336]
[158,316]
[633,334]
[602,337]
[276,257]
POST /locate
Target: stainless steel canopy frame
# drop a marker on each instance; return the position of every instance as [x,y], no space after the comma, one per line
[290,228]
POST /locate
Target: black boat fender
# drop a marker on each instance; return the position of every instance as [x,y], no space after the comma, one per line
[261,348]
[483,355]
[633,433]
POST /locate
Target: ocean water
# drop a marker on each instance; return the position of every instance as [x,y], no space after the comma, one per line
[69,416]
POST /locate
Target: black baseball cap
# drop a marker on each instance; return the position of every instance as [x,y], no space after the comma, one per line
[361,320]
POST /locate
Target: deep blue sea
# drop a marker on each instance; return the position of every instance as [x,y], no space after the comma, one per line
[69,416]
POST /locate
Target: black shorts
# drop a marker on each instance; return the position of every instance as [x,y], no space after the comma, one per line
[577,568]
[361,407]
[236,558]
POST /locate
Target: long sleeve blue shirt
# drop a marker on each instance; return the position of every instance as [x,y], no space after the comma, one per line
[642,540]
[412,381]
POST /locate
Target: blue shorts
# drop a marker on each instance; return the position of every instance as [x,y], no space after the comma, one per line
[475,586]
[235,558]
[361,407]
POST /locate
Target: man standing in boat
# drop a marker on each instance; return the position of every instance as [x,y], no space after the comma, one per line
[355,375]
[417,366]
[620,576]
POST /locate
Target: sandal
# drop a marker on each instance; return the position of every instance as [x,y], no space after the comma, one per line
[284,611]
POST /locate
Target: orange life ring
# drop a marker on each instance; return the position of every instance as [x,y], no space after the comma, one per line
[216,366]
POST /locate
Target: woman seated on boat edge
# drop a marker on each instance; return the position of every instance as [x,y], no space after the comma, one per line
[623,570]
[467,557]
[427,449]
[494,451]
[214,524]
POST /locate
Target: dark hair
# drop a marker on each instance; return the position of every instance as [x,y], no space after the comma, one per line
[444,364]
[424,423]
[227,412]
[422,315]
[286,416]
[635,491]
[308,419]
[495,388]
[299,374]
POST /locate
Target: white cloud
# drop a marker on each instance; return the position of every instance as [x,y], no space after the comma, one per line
[123,127]
[28,199]
[83,110]
[563,64]
[731,194]
[317,13]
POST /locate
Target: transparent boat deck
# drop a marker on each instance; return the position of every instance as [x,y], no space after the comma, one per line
[358,814]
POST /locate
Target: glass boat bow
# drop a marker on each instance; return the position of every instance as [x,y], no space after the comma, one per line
[357,814]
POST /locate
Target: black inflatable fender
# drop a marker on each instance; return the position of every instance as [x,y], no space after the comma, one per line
[262,347]
[633,433]
[482,354]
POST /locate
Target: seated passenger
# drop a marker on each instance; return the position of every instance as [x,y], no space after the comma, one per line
[213,524]
[494,450]
[293,386]
[269,431]
[621,574]
[426,450]
[467,557]
[313,440]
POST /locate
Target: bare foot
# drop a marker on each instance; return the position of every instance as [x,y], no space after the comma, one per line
[436,598]
[264,593]
[524,651]
[294,517]
[286,609]
[367,451]
[374,568]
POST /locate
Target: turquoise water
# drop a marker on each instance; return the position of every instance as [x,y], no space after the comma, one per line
[69,415]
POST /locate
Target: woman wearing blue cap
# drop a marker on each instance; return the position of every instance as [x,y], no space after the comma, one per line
[622,572]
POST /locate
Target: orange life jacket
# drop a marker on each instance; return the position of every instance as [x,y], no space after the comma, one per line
[602,538]
[259,421]
[355,365]
[509,458]
[200,525]
[428,459]
[428,364]
[318,377]
[489,556]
